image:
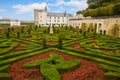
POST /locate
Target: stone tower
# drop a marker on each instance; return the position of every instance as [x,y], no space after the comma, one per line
[40,16]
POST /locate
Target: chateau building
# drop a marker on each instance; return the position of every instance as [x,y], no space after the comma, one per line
[43,17]
[11,22]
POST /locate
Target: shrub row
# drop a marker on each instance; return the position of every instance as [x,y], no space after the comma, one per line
[11,47]
[102,56]
[97,59]
[110,68]
[104,53]
[112,74]
[28,42]
[16,58]
[7,56]
[4,76]
[4,68]
[73,42]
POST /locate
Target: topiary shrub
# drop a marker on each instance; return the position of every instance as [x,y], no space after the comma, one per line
[100,32]
[18,34]
[37,63]
[12,29]
[104,32]
[35,27]
[58,31]
[68,65]
[60,42]
[22,30]
[29,30]
[7,34]
[49,67]
[45,31]
[44,43]
[84,34]
[56,58]
[80,30]
[49,72]
[8,29]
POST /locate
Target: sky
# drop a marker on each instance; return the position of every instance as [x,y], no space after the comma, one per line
[23,9]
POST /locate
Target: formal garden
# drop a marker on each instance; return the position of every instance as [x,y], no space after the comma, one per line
[33,53]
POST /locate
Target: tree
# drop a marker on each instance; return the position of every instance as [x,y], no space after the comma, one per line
[83,26]
[116,8]
[116,30]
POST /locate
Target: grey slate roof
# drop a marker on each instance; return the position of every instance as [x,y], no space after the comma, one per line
[8,20]
[59,14]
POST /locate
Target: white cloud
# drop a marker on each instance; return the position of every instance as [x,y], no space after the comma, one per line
[2,10]
[0,17]
[28,8]
[81,4]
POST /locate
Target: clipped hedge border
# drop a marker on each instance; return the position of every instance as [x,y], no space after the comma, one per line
[7,56]
[16,58]
[88,53]
[112,74]
[4,76]
[110,68]
[4,68]
[68,65]
[97,59]
[13,45]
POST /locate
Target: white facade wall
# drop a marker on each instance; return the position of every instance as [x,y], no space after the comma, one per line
[15,23]
[41,17]
[102,24]
[11,22]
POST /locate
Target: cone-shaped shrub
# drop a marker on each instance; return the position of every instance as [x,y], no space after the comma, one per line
[80,30]
[29,31]
[45,31]
[44,43]
[104,32]
[7,34]
[18,34]
[84,34]
[8,29]
[101,32]
[60,42]
[22,30]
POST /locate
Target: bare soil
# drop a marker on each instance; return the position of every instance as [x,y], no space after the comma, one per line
[77,46]
[52,42]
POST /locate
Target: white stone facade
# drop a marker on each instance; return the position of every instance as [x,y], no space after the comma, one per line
[12,22]
[43,17]
[102,23]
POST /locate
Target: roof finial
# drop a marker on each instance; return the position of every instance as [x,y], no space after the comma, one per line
[45,8]
[65,13]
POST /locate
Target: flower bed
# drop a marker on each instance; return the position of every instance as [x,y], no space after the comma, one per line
[87,69]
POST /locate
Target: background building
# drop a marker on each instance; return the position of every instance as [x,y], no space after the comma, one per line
[11,22]
[43,17]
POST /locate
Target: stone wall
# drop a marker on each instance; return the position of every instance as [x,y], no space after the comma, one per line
[106,24]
